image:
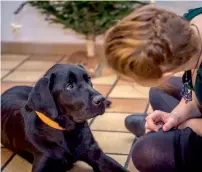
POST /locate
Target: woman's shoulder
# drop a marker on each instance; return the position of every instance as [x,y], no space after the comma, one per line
[192,13]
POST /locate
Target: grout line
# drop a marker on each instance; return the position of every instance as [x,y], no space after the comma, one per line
[110,131]
[129,155]
[129,113]
[25,82]
[147,107]
[114,84]
[12,70]
[124,98]
[57,61]
[119,112]
[28,82]
[63,57]
[116,153]
[130,98]
[8,161]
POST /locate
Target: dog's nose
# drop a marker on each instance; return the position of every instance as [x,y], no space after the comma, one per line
[97,100]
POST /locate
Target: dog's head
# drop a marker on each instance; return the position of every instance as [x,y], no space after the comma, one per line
[67,90]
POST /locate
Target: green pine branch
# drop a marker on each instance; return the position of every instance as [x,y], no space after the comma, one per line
[86,17]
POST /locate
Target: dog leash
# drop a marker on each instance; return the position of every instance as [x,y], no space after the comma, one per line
[49,121]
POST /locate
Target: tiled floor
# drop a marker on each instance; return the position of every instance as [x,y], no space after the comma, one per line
[109,129]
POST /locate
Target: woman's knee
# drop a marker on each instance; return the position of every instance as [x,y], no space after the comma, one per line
[154,95]
[140,155]
[149,154]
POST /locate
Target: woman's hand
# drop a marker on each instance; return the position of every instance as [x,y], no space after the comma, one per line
[159,119]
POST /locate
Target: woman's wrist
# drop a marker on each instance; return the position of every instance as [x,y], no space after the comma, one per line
[177,117]
[183,111]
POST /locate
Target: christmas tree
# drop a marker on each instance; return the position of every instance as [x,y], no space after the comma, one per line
[88,18]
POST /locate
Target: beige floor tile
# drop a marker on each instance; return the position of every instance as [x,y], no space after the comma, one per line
[121,159]
[36,66]
[150,110]
[107,71]
[131,166]
[105,80]
[4,72]
[8,65]
[128,105]
[90,120]
[65,59]
[18,164]
[123,81]
[103,89]
[22,76]
[114,142]
[5,155]
[81,167]
[129,91]
[110,122]
[45,57]
[6,85]
[14,57]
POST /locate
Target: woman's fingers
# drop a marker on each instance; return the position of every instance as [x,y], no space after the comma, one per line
[153,119]
[160,125]
[169,124]
[151,125]
[148,129]
[159,119]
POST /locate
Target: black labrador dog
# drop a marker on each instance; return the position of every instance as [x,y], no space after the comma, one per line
[64,95]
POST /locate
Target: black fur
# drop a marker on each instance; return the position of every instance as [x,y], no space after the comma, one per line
[65,94]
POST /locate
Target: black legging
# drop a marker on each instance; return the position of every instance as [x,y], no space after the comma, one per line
[172,151]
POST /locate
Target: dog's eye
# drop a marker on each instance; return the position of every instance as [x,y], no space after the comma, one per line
[69,87]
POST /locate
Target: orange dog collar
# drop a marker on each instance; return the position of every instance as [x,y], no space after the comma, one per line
[49,121]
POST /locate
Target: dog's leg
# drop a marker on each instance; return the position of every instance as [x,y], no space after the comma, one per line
[50,164]
[89,151]
[100,162]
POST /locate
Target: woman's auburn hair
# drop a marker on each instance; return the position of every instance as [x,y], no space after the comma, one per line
[148,40]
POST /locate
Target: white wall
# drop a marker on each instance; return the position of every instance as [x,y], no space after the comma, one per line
[36,30]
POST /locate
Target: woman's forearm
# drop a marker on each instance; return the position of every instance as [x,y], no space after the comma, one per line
[196,126]
[185,111]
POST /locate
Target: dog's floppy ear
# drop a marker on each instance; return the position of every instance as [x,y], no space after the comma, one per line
[41,99]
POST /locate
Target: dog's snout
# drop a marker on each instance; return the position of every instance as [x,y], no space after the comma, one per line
[99,99]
